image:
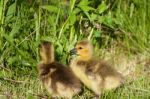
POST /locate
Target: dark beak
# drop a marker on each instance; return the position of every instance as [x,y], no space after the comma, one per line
[73,51]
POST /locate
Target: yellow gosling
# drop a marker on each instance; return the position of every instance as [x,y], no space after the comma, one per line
[93,73]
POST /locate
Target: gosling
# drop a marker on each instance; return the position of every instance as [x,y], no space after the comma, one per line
[93,73]
[59,80]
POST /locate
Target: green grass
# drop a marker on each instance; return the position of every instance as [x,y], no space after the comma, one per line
[119,31]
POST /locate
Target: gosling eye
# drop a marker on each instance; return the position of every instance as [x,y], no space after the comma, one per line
[80,48]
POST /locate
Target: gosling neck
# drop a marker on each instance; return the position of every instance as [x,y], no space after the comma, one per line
[84,58]
[48,56]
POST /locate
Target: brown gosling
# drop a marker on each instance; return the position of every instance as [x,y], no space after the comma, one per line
[93,73]
[59,80]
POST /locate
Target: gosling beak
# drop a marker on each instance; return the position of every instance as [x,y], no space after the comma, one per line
[73,51]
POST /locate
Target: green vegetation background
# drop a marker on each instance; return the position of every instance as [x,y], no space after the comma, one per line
[123,25]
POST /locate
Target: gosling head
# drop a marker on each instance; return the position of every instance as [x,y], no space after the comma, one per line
[46,50]
[83,50]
